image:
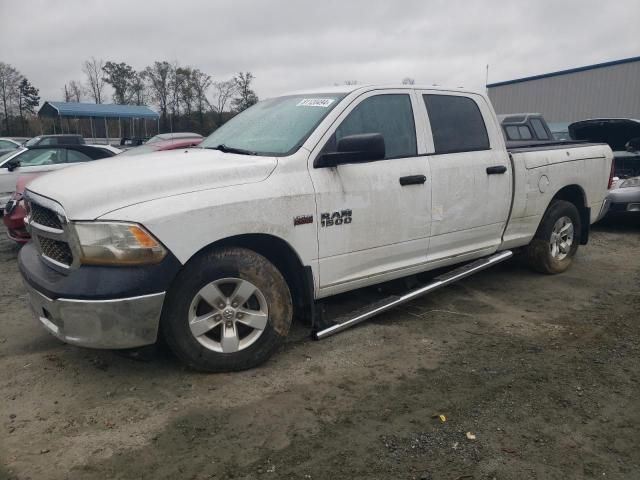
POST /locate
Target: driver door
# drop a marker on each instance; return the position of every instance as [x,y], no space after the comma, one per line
[374,217]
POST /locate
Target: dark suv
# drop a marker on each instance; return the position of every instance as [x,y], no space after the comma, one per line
[49,140]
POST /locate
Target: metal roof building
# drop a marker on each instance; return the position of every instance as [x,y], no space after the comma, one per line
[99,110]
[610,89]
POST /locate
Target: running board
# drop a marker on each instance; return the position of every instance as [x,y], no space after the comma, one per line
[388,303]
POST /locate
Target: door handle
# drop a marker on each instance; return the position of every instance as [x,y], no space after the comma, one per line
[412,180]
[496,170]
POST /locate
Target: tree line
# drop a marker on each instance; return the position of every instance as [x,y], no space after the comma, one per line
[19,100]
[187,98]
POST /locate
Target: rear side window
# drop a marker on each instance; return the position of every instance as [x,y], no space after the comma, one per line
[73,156]
[390,115]
[456,123]
[538,127]
[521,132]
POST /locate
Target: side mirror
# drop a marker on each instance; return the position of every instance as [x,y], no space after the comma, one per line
[12,165]
[364,147]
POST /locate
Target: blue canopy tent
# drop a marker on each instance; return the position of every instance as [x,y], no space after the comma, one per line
[101,110]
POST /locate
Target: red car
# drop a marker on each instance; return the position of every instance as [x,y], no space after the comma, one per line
[159,145]
[14,211]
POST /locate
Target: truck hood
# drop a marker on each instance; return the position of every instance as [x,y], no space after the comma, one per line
[89,190]
[614,131]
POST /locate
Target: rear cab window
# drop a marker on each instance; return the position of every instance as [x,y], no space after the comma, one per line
[457,124]
[538,127]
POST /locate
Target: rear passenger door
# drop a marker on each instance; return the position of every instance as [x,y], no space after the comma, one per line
[470,175]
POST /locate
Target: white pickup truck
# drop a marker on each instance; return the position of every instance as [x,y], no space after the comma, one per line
[298,198]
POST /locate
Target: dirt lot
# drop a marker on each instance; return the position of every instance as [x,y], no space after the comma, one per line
[544,371]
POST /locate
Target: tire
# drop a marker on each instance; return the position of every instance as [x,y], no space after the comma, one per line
[229,309]
[556,242]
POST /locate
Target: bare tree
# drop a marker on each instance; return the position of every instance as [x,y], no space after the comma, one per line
[157,76]
[93,69]
[177,78]
[200,83]
[72,91]
[67,93]
[408,81]
[75,89]
[222,94]
[139,92]
[246,96]
[9,82]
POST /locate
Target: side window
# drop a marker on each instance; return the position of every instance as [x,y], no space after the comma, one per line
[538,127]
[40,157]
[525,133]
[390,115]
[512,132]
[456,123]
[73,156]
[6,145]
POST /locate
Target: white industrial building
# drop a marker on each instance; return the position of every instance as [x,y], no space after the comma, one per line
[604,90]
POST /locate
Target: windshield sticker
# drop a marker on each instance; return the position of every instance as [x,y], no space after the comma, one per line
[315,102]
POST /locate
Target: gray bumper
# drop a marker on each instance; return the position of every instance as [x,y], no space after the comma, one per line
[625,199]
[118,323]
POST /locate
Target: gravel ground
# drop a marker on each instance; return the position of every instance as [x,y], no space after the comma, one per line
[536,377]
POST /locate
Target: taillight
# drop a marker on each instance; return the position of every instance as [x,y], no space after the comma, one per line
[613,163]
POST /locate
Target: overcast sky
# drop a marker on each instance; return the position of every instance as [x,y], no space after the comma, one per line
[294,44]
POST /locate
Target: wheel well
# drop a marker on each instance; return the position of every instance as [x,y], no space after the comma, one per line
[575,194]
[277,251]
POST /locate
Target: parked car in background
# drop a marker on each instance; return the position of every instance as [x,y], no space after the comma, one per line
[15,211]
[42,159]
[521,129]
[160,145]
[108,148]
[623,136]
[173,136]
[132,141]
[48,140]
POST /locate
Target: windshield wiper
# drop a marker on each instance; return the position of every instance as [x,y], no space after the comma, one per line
[241,151]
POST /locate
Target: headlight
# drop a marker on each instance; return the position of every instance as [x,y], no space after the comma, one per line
[115,243]
[630,182]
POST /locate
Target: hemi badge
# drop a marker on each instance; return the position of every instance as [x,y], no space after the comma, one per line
[302,219]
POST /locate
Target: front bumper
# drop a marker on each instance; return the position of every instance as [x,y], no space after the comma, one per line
[117,323]
[96,306]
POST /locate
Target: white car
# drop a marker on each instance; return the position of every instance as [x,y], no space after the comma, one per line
[295,199]
[43,159]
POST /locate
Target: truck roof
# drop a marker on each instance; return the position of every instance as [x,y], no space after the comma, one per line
[352,88]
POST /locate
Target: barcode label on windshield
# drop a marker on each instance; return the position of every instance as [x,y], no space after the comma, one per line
[315,102]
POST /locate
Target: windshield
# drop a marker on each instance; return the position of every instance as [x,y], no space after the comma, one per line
[8,155]
[32,142]
[277,126]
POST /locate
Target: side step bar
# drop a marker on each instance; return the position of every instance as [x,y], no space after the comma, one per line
[394,301]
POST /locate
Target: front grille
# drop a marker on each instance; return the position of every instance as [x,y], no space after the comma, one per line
[45,216]
[56,250]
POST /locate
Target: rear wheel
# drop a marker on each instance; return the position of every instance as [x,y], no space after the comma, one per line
[557,239]
[229,310]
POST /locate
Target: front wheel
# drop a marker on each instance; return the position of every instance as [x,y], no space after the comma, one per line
[229,309]
[557,239]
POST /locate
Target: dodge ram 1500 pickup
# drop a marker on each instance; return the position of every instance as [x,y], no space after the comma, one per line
[298,198]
